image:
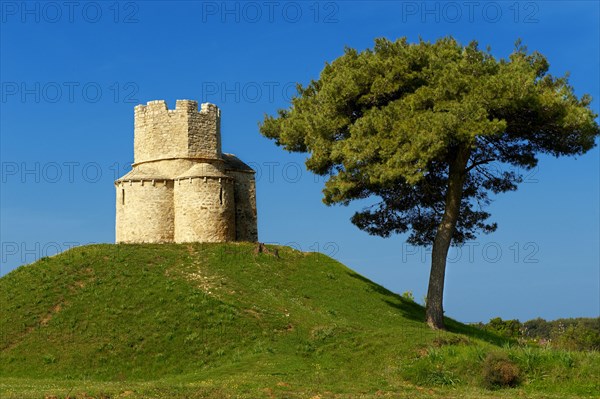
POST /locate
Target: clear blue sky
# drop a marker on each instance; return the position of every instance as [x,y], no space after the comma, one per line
[72,73]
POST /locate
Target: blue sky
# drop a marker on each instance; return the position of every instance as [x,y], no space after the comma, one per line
[71,74]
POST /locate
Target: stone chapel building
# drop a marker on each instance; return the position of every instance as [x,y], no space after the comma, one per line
[182,188]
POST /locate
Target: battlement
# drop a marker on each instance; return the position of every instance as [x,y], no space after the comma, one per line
[190,106]
[187,105]
[183,132]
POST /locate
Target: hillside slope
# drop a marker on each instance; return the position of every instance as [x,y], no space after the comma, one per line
[297,322]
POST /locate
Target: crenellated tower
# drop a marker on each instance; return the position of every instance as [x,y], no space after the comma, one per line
[184,132]
[182,188]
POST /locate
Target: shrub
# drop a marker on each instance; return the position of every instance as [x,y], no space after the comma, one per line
[499,371]
[408,295]
[505,328]
[579,337]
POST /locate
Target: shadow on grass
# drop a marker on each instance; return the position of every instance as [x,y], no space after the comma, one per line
[409,309]
[475,332]
[413,311]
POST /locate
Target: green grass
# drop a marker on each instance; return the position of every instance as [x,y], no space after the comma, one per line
[217,320]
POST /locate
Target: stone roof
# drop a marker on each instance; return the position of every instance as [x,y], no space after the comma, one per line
[137,175]
[201,170]
[234,163]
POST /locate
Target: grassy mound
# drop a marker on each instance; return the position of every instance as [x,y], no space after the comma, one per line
[218,320]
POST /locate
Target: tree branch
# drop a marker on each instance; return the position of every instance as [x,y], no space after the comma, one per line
[482,162]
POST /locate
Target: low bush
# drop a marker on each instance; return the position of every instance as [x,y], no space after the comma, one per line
[500,372]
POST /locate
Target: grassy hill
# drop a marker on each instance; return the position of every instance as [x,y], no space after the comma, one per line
[219,320]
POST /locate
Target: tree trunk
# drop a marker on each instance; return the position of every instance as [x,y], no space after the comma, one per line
[435,292]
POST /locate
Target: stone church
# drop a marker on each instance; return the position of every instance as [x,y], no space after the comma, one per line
[182,188]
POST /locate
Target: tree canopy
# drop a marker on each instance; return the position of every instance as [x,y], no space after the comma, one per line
[423,127]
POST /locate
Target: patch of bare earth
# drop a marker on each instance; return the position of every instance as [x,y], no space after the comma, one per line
[44,320]
[207,283]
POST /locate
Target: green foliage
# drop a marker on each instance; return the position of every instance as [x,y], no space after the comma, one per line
[579,337]
[408,295]
[570,334]
[538,328]
[389,121]
[505,328]
[422,127]
[529,358]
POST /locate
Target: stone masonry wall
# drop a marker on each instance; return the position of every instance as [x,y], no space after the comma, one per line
[184,132]
[205,132]
[204,210]
[245,206]
[159,132]
[145,212]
